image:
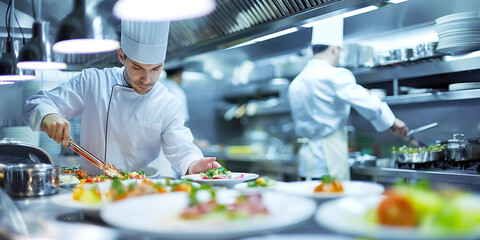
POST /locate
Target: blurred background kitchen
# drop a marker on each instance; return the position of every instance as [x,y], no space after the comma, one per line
[240,59]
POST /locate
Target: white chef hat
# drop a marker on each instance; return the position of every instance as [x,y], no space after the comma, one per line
[328,31]
[145,42]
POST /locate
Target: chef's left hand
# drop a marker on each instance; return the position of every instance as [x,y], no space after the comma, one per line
[203,165]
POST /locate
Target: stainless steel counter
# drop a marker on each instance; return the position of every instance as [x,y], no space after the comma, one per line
[466,179]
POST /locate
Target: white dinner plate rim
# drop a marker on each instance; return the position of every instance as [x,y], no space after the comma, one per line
[108,215]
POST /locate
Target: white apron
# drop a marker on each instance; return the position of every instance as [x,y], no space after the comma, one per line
[328,155]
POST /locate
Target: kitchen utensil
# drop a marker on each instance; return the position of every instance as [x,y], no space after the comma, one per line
[109,170]
[409,138]
[31,180]
[422,128]
[16,152]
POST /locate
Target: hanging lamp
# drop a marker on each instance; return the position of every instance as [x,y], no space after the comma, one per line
[84,31]
[37,52]
[8,61]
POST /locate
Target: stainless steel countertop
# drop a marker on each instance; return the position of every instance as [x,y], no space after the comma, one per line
[467,179]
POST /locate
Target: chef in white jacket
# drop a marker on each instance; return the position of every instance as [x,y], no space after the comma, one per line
[321,97]
[127,118]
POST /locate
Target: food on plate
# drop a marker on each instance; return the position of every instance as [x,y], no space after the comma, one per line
[90,194]
[83,177]
[449,211]
[262,182]
[244,206]
[329,185]
[216,173]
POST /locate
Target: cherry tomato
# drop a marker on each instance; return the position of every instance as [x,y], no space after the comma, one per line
[89,180]
[396,211]
[139,176]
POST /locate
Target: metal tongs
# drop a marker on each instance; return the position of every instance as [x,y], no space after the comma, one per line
[409,138]
[109,170]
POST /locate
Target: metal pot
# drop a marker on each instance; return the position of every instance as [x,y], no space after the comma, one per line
[15,152]
[28,180]
[463,149]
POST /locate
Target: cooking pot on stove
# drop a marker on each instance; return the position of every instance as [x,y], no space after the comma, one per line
[463,149]
[16,152]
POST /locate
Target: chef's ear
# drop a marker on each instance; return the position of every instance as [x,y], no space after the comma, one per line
[121,55]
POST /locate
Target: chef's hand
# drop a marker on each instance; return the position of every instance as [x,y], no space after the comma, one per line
[399,128]
[57,128]
[203,165]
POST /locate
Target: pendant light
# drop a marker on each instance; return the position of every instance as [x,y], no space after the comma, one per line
[162,10]
[37,53]
[84,31]
[8,61]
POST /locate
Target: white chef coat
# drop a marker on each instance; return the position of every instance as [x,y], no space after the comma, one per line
[139,126]
[177,91]
[321,97]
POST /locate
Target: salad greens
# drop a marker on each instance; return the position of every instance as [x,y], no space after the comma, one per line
[409,150]
[217,173]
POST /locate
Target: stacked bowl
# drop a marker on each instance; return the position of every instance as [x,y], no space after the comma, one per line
[458,33]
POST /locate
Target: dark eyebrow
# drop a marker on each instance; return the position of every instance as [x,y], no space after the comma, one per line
[159,66]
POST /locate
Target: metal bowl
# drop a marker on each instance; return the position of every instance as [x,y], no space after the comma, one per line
[29,180]
[413,157]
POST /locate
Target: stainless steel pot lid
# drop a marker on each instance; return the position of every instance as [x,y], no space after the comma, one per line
[16,152]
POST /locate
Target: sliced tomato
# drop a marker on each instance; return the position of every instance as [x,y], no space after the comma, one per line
[397,211]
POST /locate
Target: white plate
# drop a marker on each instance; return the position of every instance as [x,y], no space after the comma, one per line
[350,188]
[347,216]
[299,236]
[223,182]
[158,215]
[66,199]
[244,187]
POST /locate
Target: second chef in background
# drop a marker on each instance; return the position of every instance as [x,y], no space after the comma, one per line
[127,118]
[321,97]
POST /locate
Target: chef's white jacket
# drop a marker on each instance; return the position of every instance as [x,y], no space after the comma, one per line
[138,126]
[321,97]
[177,90]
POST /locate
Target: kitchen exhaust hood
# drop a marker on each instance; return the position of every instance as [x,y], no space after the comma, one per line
[233,22]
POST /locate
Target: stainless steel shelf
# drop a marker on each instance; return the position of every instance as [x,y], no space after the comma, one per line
[431,97]
[414,70]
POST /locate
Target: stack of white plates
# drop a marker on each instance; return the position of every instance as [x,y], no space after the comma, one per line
[458,33]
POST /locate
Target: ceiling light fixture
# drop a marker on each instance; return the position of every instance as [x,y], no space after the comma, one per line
[37,53]
[397,1]
[84,31]
[162,10]
[8,61]
[6,83]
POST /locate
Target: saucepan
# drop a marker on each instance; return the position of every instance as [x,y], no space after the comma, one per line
[29,180]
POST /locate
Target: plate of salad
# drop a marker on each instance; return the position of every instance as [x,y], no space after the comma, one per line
[209,214]
[220,177]
[406,211]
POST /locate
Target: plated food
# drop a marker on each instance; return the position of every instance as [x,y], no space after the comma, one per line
[92,197]
[329,185]
[83,177]
[406,212]
[220,177]
[350,188]
[245,215]
[217,173]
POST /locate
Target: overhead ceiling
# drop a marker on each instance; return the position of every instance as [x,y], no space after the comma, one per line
[233,22]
